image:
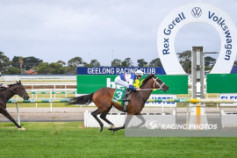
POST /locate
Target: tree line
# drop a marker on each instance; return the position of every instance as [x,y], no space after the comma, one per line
[19,65]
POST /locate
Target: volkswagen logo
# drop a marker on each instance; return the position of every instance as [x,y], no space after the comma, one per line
[196,12]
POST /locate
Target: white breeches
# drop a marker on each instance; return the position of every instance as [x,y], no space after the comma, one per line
[121,82]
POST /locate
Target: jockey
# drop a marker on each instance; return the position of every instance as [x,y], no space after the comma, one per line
[3,85]
[127,80]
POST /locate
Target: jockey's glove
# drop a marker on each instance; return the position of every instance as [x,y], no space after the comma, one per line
[132,88]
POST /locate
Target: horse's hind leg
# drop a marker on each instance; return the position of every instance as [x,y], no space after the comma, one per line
[94,114]
[7,115]
[103,117]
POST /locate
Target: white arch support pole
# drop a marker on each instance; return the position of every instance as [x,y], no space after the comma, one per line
[197,116]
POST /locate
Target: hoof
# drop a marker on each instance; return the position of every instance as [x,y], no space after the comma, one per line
[112,129]
[111,126]
[101,128]
[22,129]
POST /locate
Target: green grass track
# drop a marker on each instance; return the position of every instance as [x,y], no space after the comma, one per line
[72,140]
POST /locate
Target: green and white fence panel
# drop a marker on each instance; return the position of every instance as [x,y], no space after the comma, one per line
[39,101]
[52,93]
[226,86]
[223,84]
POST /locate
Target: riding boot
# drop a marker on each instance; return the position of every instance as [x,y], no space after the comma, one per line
[126,100]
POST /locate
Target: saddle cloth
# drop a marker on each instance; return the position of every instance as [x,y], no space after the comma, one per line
[119,96]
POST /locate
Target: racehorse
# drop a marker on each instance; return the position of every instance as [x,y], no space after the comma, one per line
[6,94]
[103,100]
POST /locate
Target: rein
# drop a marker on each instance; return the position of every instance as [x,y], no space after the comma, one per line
[155,82]
[148,89]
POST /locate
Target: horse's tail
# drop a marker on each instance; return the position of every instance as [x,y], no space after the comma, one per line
[85,99]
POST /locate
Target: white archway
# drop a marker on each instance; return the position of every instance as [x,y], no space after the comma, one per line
[197,13]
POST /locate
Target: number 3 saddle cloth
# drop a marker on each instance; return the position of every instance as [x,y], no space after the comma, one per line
[119,96]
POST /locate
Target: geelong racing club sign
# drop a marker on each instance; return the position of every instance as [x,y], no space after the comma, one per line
[197,13]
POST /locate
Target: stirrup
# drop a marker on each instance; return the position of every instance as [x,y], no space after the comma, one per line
[128,91]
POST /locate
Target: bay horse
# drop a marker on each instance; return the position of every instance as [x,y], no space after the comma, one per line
[103,100]
[6,94]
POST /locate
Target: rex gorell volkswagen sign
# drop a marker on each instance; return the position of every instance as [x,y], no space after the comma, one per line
[197,13]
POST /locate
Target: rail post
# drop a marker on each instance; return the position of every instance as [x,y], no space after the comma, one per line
[18,115]
[51,104]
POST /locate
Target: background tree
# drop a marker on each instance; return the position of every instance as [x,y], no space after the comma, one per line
[15,62]
[85,64]
[4,63]
[43,68]
[13,70]
[56,68]
[61,62]
[73,63]
[142,63]
[76,61]
[116,63]
[30,62]
[209,62]
[20,60]
[235,64]
[27,63]
[155,63]
[94,63]
[185,61]
[127,63]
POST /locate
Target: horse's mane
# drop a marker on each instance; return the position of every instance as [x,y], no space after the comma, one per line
[10,85]
[17,83]
[147,78]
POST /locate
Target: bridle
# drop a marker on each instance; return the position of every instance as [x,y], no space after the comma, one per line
[155,79]
[157,82]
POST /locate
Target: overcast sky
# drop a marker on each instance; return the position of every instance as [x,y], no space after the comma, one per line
[55,30]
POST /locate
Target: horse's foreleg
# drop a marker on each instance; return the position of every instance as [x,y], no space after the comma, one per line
[103,117]
[7,115]
[139,116]
[94,114]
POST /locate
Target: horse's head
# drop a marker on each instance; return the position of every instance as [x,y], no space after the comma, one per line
[154,82]
[159,84]
[19,89]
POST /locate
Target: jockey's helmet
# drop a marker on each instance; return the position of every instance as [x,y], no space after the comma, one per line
[139,73]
